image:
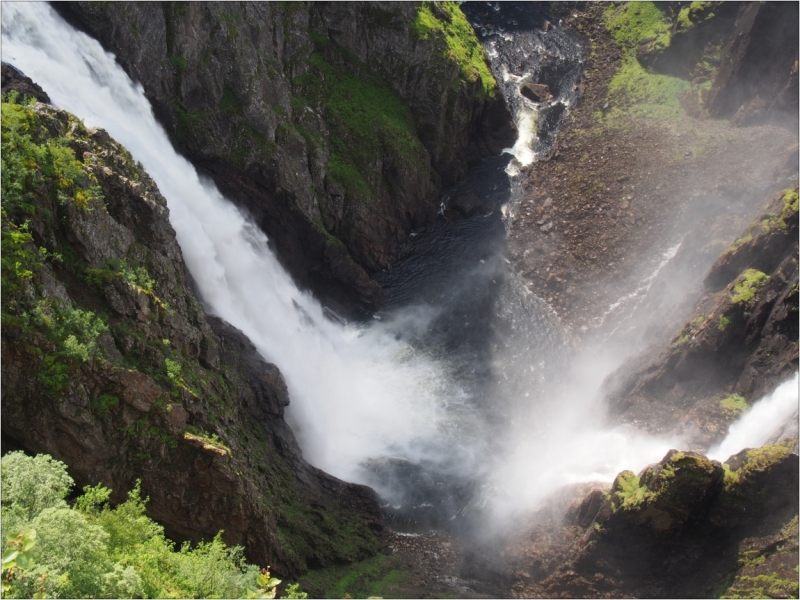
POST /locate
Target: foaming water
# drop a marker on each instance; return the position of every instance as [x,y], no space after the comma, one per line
[761,423]
[480,394]
[523,48]
[356,393]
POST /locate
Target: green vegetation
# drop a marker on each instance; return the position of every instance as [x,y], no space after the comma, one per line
[632,23]
[95,551]
[445,19]
[696,12]
[377,577]
[628,491]
[756,579]
[179,63]
[33,166]
[17,557]
[746,286]
[633,91]
[756,460]
[647,94]
[29,163]
[734,404]
[762,586]
[791,203]
[104,403]
[724,321]
[366,118]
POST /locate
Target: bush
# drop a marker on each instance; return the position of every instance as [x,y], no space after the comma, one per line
[96,551]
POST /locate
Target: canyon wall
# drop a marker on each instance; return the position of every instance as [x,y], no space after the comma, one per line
[111,365]
[335,124]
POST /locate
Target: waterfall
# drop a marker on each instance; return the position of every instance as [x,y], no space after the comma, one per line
[762,423]
[358,392]
[355,392]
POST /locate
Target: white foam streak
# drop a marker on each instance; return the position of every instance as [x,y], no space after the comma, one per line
[761,423]
[641,291]
[526,127]
[354,394]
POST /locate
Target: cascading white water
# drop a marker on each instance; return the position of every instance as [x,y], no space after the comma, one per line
[762,422]
[355,393]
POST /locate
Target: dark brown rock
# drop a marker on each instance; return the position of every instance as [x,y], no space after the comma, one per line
[14,79]
[536,92]
[758,66]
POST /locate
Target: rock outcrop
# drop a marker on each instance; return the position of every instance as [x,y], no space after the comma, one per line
[336,125]
[111,365]
[740,343]
[673,531]
[686,527]
[742,56]
[14,80]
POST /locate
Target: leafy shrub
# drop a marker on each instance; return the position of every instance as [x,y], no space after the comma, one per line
[96,551]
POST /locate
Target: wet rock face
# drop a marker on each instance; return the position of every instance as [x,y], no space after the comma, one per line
[251,92]
[164,393]
[13,79]
[742,338]
[757,78]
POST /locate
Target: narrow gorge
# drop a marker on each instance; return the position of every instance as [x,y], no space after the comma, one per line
[404,299]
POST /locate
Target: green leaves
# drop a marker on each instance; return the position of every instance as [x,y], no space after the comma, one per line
[17,556]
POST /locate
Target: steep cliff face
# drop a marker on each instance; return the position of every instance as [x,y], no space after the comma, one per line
[335,124]
[111,365]
[741,58]
[739,344]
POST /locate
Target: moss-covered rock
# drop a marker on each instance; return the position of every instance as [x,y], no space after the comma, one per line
[668,495]
[111,365]
[759,485]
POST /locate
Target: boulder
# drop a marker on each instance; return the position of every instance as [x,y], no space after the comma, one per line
[536,92]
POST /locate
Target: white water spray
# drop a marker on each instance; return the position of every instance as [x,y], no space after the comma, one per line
[355,394]
[761,423]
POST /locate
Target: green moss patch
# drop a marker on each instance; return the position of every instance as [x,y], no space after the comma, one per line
[694,14]
[756,460]
[746,286]
[377,577]
[635,22]
[367,120]
[462,46]
[633,91]
[628,491]
[734,404]
[790,204]
[647,93]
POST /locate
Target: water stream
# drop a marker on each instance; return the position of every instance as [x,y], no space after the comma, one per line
[464,392]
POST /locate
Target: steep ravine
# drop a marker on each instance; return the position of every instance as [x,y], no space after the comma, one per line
[111,364]
[336,125]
